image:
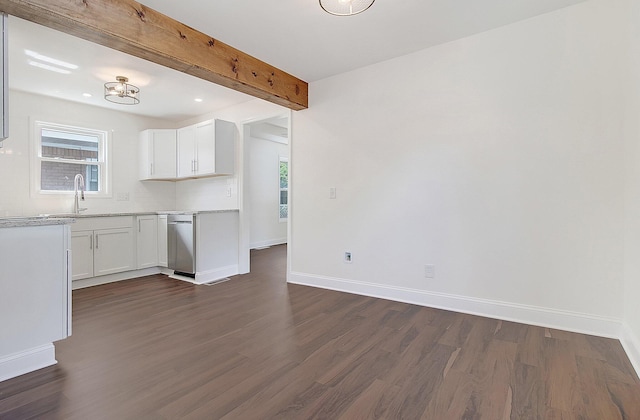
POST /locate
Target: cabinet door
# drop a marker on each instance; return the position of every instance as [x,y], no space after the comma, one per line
[225,146]
[113,251]
[163,154]
[186,151]
[157,154]
[205,148]
[147,241]
[144,155]
[81,255]
[162,241]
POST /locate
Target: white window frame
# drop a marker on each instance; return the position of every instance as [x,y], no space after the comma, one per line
[280,160]
[104,163]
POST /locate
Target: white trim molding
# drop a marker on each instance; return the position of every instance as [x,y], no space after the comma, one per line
[526,314]
[27,361]
[111,278]
[209,276]
[270,242]
[631,344]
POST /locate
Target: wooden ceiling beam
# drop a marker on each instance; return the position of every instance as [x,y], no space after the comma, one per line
[130,27]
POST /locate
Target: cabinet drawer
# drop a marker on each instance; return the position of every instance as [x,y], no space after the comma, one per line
[95,223]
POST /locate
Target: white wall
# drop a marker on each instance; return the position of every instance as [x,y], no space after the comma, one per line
[631,332]
[15,197]
[497,158]
[264,190]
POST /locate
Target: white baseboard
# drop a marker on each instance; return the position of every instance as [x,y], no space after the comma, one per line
[270,242]
[210,275]
[111,278]
[631,344]
[216,274]
[27,361]
[526,314]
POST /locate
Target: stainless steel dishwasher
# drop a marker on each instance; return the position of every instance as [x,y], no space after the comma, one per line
[181,241]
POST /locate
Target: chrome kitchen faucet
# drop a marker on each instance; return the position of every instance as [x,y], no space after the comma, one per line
[78,185]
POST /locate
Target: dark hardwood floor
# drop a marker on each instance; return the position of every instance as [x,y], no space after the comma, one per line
[257,348]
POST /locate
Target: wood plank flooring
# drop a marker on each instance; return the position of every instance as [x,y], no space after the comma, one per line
[257,348]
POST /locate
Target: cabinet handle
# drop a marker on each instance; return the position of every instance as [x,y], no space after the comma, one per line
[151,169]
[139,226]
[90,241]
[195,165]
[97,240]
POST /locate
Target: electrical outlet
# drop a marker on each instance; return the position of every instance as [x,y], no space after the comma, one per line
[122,196]
[347,257]
[332,193]
[430,271]
[228,191]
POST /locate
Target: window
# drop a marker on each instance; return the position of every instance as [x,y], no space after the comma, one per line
[284,189]
[62,152]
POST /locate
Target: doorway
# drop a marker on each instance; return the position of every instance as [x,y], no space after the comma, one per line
[265,186]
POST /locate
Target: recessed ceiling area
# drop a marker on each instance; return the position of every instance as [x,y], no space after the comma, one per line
[273,129]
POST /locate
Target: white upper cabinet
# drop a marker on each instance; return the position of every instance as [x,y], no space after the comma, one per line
[186,151]
[206,149]
[158,154]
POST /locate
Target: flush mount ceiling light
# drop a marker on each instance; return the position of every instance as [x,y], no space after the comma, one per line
[345,7]
[121,92]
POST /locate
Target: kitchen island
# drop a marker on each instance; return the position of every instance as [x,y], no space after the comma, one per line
[35,292]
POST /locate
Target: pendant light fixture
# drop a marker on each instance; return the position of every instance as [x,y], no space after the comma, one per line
[122,92]
[345,7]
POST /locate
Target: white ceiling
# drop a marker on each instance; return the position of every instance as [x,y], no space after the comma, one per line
[164,93]
[296,36]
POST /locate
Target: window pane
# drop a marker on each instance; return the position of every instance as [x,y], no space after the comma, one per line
[284,174]
[57,144]
[284,197]
[284,211]
[58,176]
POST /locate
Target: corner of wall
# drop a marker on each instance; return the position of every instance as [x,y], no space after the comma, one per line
[631,344]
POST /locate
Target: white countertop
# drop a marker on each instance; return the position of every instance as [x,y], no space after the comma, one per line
[34,221]
[67,218]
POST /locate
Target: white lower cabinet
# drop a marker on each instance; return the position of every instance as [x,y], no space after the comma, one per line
[113,252]
[104,246]
[106,249]
[163,251]
[147,241]
[82,257]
